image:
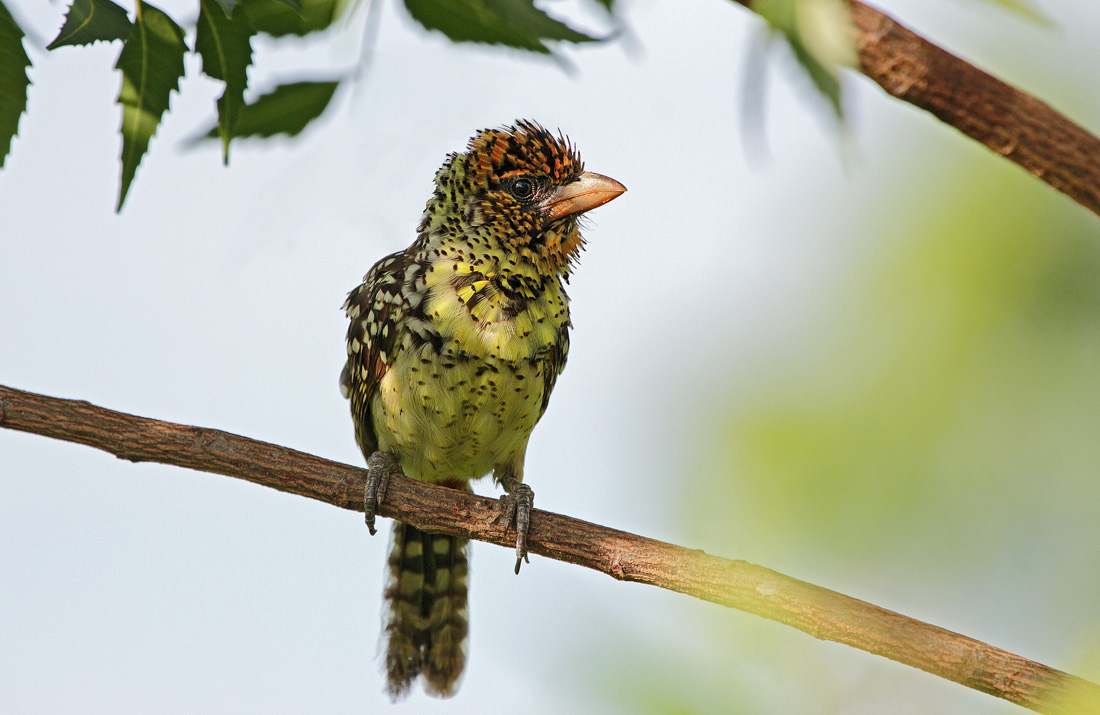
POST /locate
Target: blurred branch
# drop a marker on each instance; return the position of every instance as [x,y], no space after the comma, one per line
[818,611]
[1008,121]
[1012,123]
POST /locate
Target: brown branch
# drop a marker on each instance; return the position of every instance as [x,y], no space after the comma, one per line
[1012,123]
[822,613]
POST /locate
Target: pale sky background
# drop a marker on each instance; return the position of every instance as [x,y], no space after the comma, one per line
[213,299]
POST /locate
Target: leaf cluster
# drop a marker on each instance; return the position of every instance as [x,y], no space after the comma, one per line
[154,45]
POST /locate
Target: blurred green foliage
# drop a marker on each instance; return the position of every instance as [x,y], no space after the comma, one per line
[1025,8]
[934,430]
[956,386]
[820,34]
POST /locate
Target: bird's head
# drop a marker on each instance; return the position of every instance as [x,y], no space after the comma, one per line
[517,193]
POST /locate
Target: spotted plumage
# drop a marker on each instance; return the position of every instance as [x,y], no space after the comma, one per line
[454,347]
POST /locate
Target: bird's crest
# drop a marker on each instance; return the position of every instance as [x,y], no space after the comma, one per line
[526,147]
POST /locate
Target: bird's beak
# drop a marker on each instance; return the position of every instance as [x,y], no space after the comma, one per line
[584,193]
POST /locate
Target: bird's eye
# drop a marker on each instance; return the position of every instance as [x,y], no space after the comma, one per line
[523,188]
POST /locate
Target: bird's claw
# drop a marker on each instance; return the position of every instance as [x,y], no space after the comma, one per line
[379,466]
[519,501]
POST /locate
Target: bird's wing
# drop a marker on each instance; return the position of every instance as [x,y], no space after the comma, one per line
[555,364]
[376,309]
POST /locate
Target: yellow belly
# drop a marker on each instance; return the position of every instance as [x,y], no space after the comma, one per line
[457,418]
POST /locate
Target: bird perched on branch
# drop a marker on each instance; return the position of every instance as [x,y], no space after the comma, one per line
[454,347]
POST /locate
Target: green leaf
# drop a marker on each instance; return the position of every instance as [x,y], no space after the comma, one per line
[608,5]
[90,21]
[285,110]
[278,19]
[820,35]
[228,6]
[514,23]
[151,63]
[13,79]
[226,50]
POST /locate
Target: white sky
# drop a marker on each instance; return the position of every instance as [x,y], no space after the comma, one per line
[213,299]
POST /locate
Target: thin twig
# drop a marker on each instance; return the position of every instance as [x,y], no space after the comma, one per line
[822,613]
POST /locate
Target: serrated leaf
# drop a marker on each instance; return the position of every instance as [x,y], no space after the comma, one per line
[285,110]
[278,19]
[820,35]
[89,21]
[13,79]
[514,23]
[226,50]
[151,63]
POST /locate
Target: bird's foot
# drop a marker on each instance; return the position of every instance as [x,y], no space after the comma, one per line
[518,502]
[379,467]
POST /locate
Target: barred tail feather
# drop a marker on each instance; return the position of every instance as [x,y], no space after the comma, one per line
[426,613]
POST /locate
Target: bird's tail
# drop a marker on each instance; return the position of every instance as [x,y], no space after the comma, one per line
[425,611]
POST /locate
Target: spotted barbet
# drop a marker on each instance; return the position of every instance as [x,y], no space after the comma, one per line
[454,346]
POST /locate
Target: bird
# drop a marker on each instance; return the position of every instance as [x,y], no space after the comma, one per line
[453,348]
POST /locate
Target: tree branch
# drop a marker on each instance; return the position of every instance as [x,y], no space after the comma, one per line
[1012,123]
[822,613]
[1008,121]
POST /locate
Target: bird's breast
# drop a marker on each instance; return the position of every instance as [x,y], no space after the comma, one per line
[475,315]
[454,416]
